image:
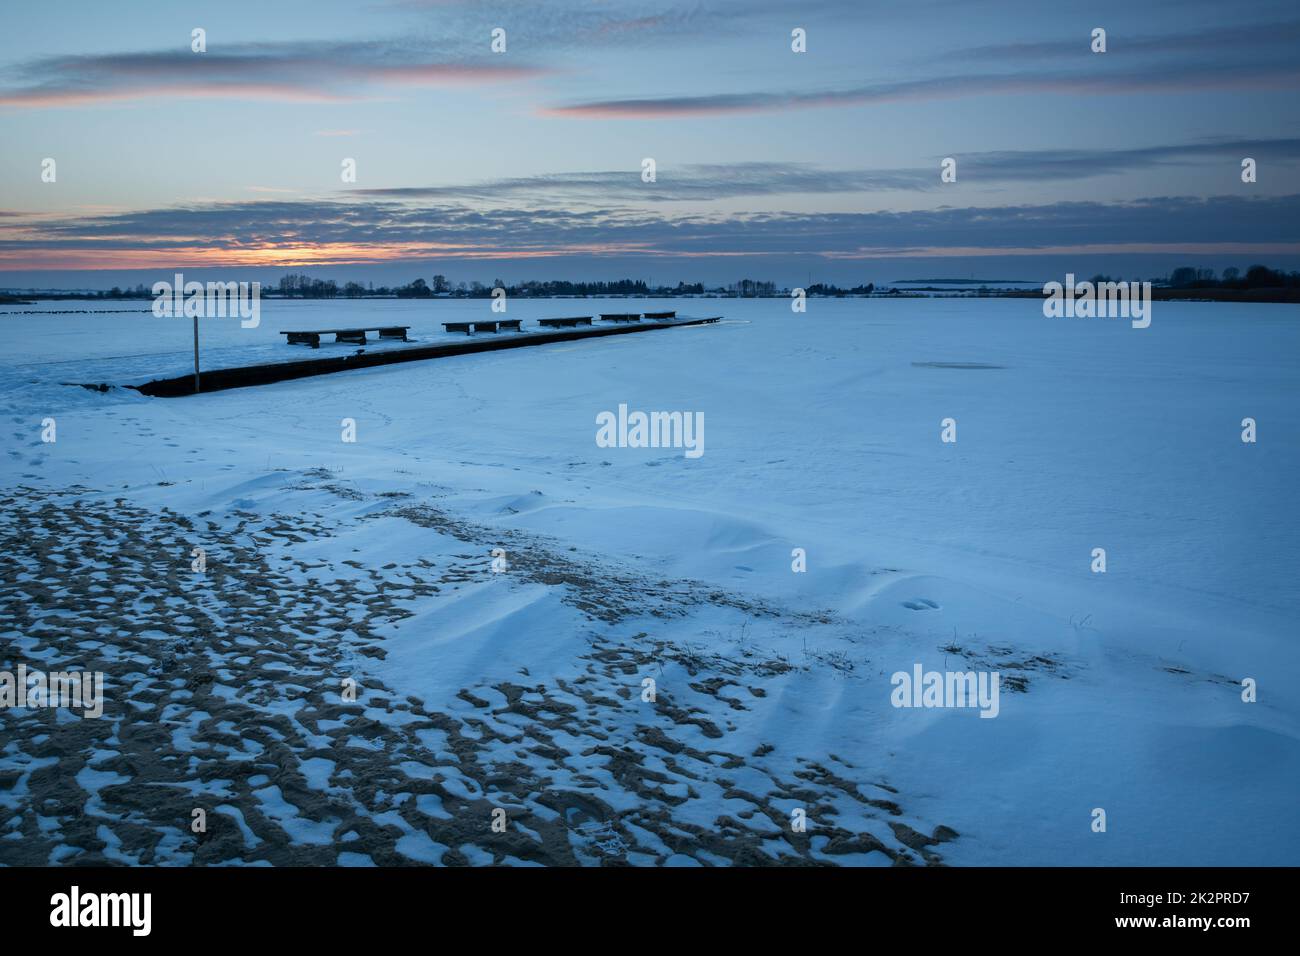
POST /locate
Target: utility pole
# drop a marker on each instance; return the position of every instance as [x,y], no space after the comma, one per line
[196,353]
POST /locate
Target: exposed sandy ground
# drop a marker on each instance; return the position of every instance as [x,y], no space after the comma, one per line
[223,693]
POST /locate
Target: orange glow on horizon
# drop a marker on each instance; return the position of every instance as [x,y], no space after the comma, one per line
[281,256]
[301,255]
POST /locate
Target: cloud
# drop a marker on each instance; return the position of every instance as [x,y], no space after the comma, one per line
[706,182]
[371,230]
[566,25]
[1238,38]
[1058,165]
[1152,78]
[697,182]
[280,71]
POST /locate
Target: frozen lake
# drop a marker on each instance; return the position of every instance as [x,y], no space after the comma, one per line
[822,432]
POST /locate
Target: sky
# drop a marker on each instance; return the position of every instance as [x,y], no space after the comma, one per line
[822,165]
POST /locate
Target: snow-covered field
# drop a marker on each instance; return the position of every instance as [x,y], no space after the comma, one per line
[524,690]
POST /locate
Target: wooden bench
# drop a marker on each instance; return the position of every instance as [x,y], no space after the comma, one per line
[661,315]
[358,335]
[486,325]
[620,317]
[567,321]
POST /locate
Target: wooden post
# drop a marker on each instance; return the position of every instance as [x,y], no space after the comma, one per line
[196,354]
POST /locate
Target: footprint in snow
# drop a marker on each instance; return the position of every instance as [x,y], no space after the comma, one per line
[921,604]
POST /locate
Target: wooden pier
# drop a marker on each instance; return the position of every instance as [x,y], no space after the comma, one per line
[215,380]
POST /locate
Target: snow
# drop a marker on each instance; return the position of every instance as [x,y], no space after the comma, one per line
[823,434]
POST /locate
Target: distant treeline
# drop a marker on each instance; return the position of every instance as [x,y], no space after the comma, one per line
[299,286]
[1189,277]
[1256,277]
[304,287]
[820,288]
